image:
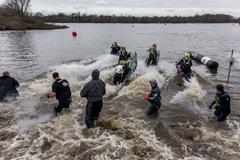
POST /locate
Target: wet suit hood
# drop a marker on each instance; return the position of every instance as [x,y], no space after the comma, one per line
[95,74]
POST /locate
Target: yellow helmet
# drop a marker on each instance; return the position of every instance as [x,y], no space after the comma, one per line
[187,55]
[122,62]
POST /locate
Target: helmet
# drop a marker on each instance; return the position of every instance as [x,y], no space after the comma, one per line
[187,55]
[153,81]
[122,62]
[154,45]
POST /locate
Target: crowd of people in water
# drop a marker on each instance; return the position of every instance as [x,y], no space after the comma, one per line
[94,90]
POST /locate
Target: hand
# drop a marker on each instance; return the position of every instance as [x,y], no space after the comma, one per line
[48,96]
[146,97]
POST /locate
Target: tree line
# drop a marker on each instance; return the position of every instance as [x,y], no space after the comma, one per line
[21,7]
[84,18]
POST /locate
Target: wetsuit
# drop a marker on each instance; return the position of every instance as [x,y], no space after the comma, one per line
[94,91]
[115,49]
[152,59]
[63,94]
[222,105]
[186,65]
[155,100]
[8,87]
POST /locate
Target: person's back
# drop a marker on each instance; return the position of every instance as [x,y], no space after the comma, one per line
[221,103]
[152,58]
[62,89]
[94,92]
[8,86]
[94,89]
[224,102]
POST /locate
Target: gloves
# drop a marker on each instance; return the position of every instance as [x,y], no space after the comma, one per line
[146,97]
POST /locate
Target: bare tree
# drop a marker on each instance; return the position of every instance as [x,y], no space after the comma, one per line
[20,6]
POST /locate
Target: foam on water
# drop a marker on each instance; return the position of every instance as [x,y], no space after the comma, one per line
[193,93]
[76,72]
[140,86]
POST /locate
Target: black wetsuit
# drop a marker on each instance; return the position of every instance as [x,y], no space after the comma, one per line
[115,49]
[186,65]
[63,94]
[8,87]
[155,100]
[93,91]
[222,102]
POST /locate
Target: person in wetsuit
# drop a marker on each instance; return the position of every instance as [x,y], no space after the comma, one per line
[221,103]
[186,64]
[115,48]
[154,98]
[152,58]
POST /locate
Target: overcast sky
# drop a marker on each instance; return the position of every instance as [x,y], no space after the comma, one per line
[138,7]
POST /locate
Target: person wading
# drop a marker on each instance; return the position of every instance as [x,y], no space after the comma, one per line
[94,91]
[221,103]
[154,98]
[61,90]
[8,87]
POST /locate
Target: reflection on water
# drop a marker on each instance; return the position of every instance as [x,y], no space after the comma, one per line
[18,53]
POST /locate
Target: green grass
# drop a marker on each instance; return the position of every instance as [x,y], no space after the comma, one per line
[9,20]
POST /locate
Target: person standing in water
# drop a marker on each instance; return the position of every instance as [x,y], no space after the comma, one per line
[152,58]
[221,104]
[8,87]
[154,98]
[186,64]
[61,90]
[94,91]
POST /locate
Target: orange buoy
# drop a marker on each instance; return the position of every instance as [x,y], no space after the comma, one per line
[74,34]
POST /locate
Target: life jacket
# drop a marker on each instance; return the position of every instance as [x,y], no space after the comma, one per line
[152,52]
[217,99]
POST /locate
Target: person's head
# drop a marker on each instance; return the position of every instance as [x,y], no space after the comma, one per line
[220,88]
[6,73]
[55,75]
[95,74]
[154,45]
[153,82]
[187,55]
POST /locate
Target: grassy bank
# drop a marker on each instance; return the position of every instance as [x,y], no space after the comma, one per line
[9,20]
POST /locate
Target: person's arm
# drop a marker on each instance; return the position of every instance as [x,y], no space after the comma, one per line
[15,83]
[84,91]
[214,101]
[54,91]
[180,62]
[104,88]
[210,107]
